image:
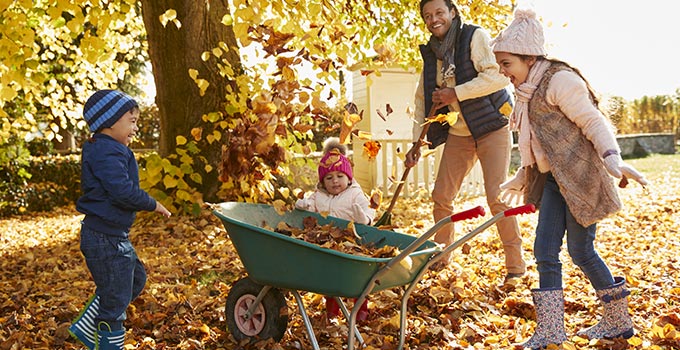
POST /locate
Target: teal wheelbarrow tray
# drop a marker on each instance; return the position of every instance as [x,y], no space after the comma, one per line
[256,308]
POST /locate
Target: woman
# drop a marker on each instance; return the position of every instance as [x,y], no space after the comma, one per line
[568,152]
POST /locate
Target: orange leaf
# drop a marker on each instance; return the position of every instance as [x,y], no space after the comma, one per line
[371,149]
[376,198]
[348,122]
[196,133]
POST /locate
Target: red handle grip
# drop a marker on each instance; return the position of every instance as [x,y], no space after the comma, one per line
[524,209]
[468,214]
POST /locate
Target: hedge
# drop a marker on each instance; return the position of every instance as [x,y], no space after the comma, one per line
[54,181]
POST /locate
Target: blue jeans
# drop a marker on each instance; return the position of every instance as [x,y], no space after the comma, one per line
[117,272]
[554,218]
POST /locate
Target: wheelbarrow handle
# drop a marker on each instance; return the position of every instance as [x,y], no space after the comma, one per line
[524,209]
[468,214]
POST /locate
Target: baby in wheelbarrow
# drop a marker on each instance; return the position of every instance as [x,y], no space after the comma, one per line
[338,195]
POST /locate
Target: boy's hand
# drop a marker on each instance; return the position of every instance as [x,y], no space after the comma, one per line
[161,209]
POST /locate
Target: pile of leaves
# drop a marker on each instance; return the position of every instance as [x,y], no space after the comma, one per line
[191,265]
[345,240]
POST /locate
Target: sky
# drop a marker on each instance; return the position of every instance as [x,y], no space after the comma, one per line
[624,48]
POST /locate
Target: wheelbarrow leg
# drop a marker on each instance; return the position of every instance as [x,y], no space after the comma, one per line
[305,319]
[402,317]
[347,314]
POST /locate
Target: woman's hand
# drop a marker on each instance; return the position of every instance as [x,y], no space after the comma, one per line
[616,167]
[512,191]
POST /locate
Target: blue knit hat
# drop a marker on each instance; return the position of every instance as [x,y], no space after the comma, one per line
[105,107]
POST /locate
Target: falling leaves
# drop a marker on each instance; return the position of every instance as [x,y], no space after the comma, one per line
[371,149]
[349,120]
[388,110]
[375,199]
[449,118]
[381,115]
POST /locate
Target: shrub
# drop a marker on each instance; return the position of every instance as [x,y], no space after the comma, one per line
[52,181]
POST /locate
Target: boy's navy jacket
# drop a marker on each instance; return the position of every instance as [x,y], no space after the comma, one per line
[111,195]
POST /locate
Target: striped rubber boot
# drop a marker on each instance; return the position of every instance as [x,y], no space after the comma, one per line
[83,328]
[616,321]
[109,340]
[549,303]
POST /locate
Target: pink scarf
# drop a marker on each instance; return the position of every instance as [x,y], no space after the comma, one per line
[530,150]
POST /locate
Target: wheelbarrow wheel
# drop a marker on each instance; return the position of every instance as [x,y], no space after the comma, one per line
[270,318]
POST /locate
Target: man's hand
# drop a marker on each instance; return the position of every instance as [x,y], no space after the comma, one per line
[413,155]
[443,97]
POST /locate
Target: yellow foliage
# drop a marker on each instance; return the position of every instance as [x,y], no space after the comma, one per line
[449,118]
[169,16]
[506,109]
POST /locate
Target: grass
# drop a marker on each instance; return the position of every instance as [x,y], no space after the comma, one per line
[657,165]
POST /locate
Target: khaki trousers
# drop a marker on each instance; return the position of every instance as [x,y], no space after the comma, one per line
[459,156]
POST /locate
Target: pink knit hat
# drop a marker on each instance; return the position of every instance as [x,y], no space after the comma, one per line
[524,36]
[334,161]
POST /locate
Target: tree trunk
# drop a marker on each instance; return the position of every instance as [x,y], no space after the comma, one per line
[173,52]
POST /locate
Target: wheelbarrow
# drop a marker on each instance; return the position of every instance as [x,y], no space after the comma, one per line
[256,307]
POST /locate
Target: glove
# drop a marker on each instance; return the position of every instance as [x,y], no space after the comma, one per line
[617,168]
[302,204]
[512,191]
[358,214]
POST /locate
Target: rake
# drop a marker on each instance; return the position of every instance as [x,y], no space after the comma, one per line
[386,218]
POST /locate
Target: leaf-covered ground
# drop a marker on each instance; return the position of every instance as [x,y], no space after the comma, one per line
[191,265]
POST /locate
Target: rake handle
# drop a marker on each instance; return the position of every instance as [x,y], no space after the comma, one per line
[397,191]
[423,133]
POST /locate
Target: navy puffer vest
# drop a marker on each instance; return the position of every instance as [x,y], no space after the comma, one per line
[481,114]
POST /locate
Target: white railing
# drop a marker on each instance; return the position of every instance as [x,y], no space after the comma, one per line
[390,163]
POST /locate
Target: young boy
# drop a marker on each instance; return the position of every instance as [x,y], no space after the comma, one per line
[110,199]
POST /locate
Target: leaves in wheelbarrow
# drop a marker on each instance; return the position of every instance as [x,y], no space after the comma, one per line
[337,238]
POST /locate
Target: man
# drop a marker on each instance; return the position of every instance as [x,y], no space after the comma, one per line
[460,74]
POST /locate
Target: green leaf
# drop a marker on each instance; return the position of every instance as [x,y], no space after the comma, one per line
[196,177]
